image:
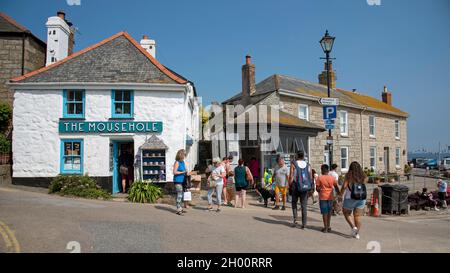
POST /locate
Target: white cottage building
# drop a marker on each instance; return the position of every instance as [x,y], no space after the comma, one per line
[78,115]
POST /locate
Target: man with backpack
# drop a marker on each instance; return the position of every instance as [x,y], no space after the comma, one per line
[300,183]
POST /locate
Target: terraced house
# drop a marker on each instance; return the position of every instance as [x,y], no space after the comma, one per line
[369,130]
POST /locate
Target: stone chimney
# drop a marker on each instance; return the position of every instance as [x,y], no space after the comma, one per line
[248,78]
[60,38]
[386,96]
[149,45]
[323,76]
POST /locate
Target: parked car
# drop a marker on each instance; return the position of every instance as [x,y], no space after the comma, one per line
[431,164]
[445,164]
[418,162]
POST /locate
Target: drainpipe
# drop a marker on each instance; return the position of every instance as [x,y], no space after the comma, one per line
[23,53]
[362,140]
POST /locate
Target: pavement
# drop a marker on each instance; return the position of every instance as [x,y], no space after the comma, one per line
[34,221]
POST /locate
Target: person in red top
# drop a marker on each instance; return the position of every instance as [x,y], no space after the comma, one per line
[324,185]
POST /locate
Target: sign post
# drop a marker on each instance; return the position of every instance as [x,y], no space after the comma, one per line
[329,116]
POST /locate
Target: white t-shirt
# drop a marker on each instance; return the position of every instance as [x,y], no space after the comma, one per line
[335,175]
[216,172]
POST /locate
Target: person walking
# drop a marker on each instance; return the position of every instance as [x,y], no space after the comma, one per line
[216,183]
[442,192]
[355,194]
[301,183]
[180,173]
[280,177]
[325,184]
[243,178]
[336,202]
[230,188]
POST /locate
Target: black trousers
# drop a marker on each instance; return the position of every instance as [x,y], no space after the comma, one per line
[303,202]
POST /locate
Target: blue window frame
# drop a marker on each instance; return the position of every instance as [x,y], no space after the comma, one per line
[73,103]
[71,156]
[122,103]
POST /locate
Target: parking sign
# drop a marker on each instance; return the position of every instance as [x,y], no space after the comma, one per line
[329,112]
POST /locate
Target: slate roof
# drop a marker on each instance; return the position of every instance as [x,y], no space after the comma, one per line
[10,26]
[154,143]
[118,59]
[347,98]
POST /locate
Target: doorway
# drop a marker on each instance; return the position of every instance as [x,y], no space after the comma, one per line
[123,155]
[386,159]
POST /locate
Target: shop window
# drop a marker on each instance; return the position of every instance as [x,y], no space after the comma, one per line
[122,104]
[72,156]
[73,101]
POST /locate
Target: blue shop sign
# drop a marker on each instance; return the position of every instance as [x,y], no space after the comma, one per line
[110,127]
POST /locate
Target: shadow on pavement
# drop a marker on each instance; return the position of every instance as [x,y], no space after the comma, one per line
[319,229]
[270,221]
[169,209]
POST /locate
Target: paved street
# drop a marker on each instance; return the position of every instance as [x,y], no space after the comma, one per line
[37,222]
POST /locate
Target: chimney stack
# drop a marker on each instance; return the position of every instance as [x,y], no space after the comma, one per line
[386,96]
[149,45]
[323,76]
[61,14]
[60,38]
[248,79]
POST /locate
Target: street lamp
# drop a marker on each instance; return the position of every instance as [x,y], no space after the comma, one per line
[327,43]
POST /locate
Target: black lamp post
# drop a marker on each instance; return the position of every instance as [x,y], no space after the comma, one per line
[326,43]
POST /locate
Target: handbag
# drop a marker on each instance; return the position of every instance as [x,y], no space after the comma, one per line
[211,182]
[187,196]
[123,170]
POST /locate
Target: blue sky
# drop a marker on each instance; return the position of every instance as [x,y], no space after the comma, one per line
[403,44]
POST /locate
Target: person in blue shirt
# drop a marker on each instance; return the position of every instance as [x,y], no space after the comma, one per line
[180,171]
[442,192]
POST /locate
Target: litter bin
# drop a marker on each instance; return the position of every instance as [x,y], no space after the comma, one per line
[395,199]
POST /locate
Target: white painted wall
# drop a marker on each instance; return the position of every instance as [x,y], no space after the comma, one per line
[36,141]
[58,43]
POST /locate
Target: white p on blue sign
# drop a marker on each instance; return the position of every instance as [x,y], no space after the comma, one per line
[329,112]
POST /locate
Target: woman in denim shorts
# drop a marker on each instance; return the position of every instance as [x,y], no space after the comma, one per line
[355,174]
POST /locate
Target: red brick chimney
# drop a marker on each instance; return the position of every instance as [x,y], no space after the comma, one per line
[323,76]
[248,78]
[386,96]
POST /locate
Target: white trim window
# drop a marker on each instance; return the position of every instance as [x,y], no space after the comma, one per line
[373,157]
[372,126]
[343,118]
[397,157]
[303,112]
[344,159]
[397,129]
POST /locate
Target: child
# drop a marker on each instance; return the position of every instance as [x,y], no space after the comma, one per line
[230,188]
[325,184]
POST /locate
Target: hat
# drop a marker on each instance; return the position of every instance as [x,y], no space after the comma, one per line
[216,160]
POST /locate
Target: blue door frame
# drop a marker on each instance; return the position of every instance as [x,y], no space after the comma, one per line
[116,175]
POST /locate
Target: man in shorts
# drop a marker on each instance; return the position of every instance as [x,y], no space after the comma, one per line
[280,177]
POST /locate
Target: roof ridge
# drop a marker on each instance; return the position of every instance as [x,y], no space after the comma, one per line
[161,67]
[13,22]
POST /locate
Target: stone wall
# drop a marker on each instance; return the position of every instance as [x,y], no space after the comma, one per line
[11,61]
[358,144]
